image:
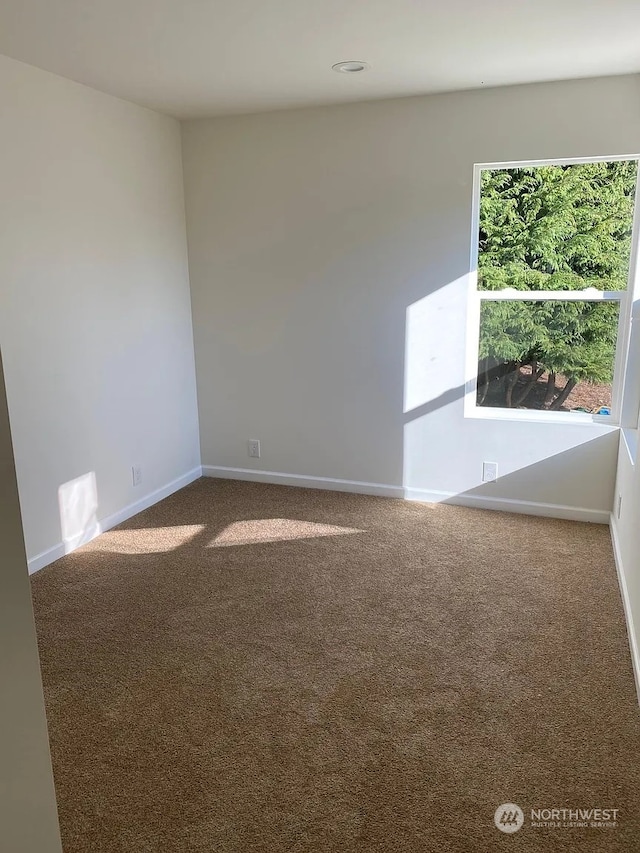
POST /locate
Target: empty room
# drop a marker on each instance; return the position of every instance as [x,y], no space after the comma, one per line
[319,426]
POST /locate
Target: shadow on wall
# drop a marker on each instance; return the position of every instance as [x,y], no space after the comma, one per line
[577,466]
[531,474]
[547,463]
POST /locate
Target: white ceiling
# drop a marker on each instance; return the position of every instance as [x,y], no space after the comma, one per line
[210,57]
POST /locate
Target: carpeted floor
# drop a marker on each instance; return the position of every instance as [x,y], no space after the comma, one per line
[248,668]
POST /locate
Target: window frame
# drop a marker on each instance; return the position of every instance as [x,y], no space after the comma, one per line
[625,299]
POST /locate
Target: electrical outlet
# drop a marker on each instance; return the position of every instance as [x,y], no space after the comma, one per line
[254,448]
[136,475]
[619,512]
[489,472]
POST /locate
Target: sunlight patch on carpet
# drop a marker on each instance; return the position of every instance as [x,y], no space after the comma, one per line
[261,530]
[146,540]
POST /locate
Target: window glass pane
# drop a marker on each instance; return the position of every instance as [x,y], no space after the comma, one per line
[547,355]
[556,227]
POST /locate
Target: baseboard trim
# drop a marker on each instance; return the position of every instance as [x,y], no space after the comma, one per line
[44,558]
[626,603]
[303,481]
[570,513]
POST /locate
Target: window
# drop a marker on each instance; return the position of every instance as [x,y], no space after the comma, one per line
[549,309]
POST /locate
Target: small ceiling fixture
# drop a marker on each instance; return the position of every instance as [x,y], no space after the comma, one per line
[352,66]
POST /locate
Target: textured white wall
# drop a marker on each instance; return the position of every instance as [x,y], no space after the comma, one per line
[28,816]
[95,316]
[318,237]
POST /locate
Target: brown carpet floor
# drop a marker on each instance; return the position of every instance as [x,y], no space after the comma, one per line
[246,667]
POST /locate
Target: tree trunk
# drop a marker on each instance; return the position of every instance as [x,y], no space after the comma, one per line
[482,396]
[536,373]
[551,390]
[511,380]
[568,388]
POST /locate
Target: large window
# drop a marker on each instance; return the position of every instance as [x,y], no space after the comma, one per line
[549,311]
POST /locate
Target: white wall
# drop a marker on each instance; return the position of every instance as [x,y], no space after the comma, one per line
[318,237]
[95,316]
[28,816]
[625,530]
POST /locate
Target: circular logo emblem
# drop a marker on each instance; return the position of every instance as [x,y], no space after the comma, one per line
[508,817]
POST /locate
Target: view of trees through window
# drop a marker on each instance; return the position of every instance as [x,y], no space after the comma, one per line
[558,230]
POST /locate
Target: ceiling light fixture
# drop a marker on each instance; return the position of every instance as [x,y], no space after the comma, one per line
[352,66]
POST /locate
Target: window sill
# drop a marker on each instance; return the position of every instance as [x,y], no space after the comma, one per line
[534,416]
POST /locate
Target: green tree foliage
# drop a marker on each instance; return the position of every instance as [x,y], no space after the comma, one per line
[552,228]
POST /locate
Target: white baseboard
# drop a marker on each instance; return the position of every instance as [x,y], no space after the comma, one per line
[45,557]
[303,481]
[504,504]
[571,513]
[62,548]
[626,603]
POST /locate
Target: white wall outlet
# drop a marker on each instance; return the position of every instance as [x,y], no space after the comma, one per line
[619,510]
[254,448]
[489,472]
[136,475]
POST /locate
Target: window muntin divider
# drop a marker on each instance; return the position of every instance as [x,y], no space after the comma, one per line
[508,295]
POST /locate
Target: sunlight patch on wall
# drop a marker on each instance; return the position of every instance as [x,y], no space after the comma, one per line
[263,530]
[146,540]
[434,344]
[78,503]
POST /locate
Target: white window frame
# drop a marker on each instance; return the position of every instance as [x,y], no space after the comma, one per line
[476,297]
